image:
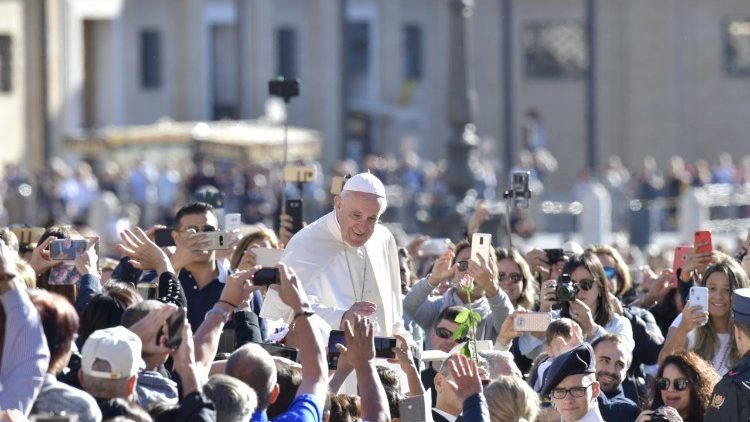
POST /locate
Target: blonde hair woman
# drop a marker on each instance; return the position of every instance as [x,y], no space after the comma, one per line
[509,398]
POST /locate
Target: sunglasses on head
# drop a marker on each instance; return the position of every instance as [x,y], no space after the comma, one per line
[679,384]
[446,334]
[513,277]
[609,272]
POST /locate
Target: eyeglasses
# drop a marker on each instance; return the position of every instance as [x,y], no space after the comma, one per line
[609,272]
[585,284]
[463,265]
[513,277]
[206,228]
[445,333]
[575,392]
[680,384]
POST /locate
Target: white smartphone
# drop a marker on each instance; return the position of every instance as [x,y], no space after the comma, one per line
[481,245]
[215,240]
[232,221]
[267,257]
[416,408]
[699,297]
[532,321]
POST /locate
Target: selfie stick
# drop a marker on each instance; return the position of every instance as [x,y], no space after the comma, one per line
[509,195]
[287,95]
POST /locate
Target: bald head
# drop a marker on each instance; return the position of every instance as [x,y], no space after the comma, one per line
[252,365]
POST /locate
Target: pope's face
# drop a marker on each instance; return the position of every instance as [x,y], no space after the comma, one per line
[357,213]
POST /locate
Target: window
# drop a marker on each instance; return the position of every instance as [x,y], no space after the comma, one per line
[150,59]
[412,52]
[6,69]
[737,47]
[358,47]
[286,59]
[554,50]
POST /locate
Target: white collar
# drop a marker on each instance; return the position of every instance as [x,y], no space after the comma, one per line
[593,414]
[446,415]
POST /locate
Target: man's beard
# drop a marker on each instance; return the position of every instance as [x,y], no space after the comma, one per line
[611,383]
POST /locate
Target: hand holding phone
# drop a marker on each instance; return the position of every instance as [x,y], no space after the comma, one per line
[532,322]
[67,249]
[293,208]
[703,242]
[699,297]
[481,245]
[212,240]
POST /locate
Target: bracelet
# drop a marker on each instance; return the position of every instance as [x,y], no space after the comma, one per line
[228,303]
[218,311]
[303,313]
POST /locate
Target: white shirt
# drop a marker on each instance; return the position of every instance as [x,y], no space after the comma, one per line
[593,415]
[336,275]
[721,357]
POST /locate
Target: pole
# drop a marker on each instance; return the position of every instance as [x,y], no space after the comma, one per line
[506,25]
[591,108]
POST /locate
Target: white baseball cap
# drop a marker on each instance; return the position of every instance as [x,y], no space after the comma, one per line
[365,182]
[119,347]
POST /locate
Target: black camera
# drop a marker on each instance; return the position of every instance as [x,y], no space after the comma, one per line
[658,417]
[280,87]
[266,277]
[566,290]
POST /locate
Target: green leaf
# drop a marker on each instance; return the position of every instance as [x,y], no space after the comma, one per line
[466,349]
[462,316]
[460,332]
[475,318]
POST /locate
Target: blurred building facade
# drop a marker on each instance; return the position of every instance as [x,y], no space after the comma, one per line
[672,76]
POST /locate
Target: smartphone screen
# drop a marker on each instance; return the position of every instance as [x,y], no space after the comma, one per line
[67,249]
[175,322]
[163,238]
[294,209]
[335,337]
[521,189]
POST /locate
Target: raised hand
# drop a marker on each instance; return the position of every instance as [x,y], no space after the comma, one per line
[143,252]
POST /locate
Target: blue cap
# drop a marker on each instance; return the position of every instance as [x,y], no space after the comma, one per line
[578,360]
[741,305]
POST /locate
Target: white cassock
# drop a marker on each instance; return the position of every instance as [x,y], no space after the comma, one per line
[336,275]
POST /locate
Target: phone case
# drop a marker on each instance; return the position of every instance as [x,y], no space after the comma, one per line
[537,322]
[699,296]
[267,257]
[704,236]
[294,209]
[416,408]
[481,244]
[64,275]
[216,240]
[232,222]
[680,259]
[163,238]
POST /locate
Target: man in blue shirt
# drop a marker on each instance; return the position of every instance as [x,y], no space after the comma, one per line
[256,368]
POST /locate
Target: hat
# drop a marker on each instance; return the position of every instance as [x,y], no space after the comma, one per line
[366,183]
[741,305]
[578,360]
[119,347]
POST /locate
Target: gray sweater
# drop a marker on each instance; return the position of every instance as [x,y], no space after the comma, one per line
[58,397]
[425,309]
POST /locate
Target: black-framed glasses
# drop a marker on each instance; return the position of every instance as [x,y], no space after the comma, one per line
[575,392]
[585,284]
[512,277]
[463,265]
[680,384]
[206,228]
[446,334]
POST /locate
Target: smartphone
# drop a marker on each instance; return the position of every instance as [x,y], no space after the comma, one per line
[64,275]
[301,174]
[699,296]
[554,255]
[267,257]
[213,198]
[163,238]
[532,321]
[67,249]
[280,350]
[28,235]
[383,347]
[681,253]
[215,240]
[481,245]
[436,247]
[521,192]
[703,236]
[337,184]
[148,291]
[294,209]
[416,408]
[266,277]
[175,322]
[232,221]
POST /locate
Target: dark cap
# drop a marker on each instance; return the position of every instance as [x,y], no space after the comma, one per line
[741,305]
[579,360]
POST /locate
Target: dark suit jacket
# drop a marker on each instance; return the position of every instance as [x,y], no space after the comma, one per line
[436,417]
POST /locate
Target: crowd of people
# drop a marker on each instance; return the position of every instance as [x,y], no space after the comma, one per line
[341,322]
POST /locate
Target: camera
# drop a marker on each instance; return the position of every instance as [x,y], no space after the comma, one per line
[266,277]
[566,290]
[658,417]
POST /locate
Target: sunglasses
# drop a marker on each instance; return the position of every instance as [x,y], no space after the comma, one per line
[585,284]
[679,384]
[513,277]
[446,334]
[204,229]
[609,272]
[463,265]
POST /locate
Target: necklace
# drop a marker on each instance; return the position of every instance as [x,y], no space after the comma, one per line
[351,275]
[724,358]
